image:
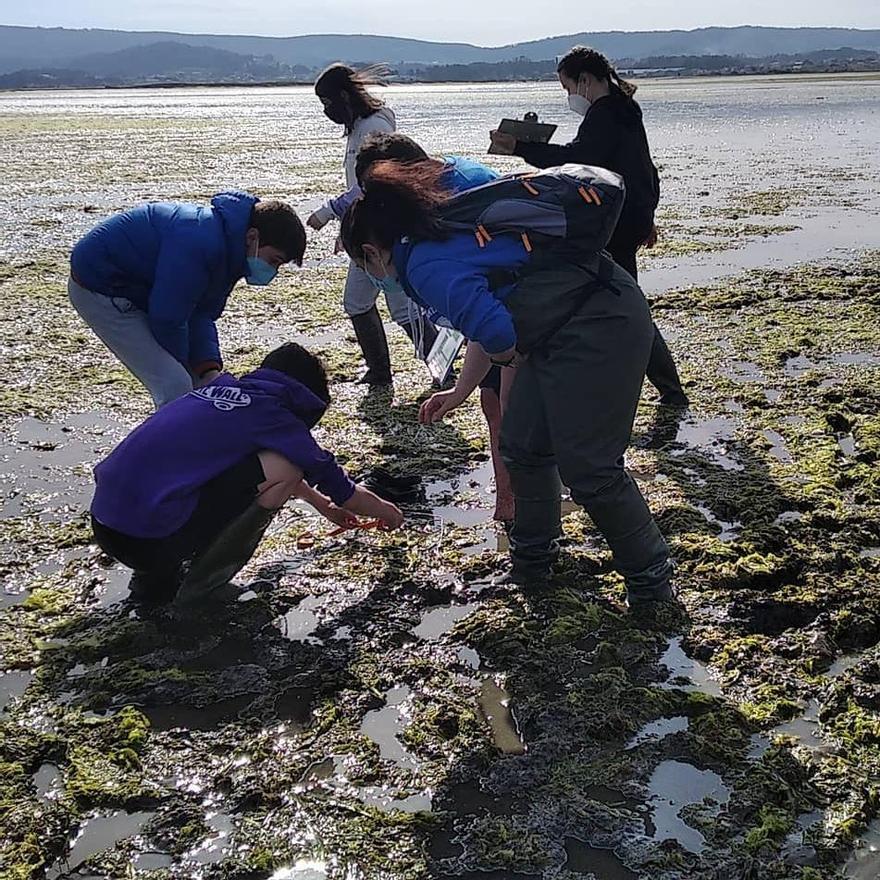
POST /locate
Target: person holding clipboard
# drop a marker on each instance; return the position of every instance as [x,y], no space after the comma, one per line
[612,135]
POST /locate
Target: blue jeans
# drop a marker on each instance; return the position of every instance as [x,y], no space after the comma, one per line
[125,330]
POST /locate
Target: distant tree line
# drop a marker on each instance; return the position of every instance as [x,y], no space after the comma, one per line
[523,69]
[170,63]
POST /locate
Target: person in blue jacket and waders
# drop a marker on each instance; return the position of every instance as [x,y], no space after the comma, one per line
[576,326]
[152,281]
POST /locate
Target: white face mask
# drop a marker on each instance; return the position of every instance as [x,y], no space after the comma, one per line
[578,104]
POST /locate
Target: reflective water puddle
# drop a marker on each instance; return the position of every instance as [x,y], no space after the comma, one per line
[675,785]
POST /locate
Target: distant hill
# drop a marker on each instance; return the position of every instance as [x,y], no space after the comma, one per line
[184,61]
[34,48]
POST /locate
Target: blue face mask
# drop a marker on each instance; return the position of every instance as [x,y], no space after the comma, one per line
[259,272]
[386,284]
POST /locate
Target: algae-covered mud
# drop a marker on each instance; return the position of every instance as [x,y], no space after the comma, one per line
[372,706]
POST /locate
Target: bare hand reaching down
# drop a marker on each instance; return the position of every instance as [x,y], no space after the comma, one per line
[341,517]
[438,405]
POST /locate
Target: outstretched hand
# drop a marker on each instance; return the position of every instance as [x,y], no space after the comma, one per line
[391,517]
[316,221]
[502,144]
[345,519]
[438,405]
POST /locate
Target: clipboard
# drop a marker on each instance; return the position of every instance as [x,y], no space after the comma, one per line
[443,353]
[527,132]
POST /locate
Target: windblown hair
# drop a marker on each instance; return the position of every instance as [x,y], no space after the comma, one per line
[401,199]
[280,227]
[581,59]
[340,79]
[299,363]
[386,145]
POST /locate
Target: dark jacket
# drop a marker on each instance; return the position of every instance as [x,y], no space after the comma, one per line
[149,486]
[177,262]
[612,135]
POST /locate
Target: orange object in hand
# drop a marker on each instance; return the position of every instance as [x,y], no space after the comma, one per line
[364,526]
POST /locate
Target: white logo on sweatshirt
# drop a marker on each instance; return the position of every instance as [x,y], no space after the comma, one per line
[224,397]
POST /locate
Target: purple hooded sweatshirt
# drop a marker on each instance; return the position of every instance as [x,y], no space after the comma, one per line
[148,487]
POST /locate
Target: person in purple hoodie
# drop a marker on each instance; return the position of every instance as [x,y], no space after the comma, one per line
[185,499]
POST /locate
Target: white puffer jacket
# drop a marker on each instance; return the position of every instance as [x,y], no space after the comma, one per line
[381,121]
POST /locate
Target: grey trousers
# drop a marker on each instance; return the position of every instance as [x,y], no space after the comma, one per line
[571,413]
[125,330]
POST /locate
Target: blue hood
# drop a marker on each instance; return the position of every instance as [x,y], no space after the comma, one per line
[234,208]
[301,401]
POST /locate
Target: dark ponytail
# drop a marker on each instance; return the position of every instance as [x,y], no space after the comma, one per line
[580,60]
[401,199]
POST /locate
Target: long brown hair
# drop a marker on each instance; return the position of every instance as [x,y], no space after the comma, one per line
[340,79]
[401,199]
[582,59]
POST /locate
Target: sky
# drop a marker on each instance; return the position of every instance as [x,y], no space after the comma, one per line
[487,22]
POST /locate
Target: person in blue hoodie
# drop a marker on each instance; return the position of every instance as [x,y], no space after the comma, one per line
[185,499]
[380,146]
[152,281]
[579,332]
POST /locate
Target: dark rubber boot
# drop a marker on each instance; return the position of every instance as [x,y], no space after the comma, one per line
[641,598]
[640,551]
[231,550]
[155,587]
[663,375]
[528,581]
[371,337]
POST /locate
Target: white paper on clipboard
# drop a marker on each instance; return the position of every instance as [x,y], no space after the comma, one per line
[443,353]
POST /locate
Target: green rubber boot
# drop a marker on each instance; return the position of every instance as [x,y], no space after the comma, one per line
[231,550]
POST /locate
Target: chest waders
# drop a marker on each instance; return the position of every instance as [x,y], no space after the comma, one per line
[587,331]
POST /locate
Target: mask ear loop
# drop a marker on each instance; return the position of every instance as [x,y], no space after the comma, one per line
[416,321]
[586,93]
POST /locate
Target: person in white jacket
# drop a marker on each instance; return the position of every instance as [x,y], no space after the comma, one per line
[347,102]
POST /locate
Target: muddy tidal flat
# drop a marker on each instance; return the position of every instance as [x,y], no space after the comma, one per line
[371,707]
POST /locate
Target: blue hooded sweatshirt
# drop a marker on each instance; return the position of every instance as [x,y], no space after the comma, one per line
[450,278]
[176,262]
[149,486]
[462,174]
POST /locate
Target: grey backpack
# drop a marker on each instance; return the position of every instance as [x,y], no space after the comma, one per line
[578,205]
